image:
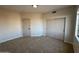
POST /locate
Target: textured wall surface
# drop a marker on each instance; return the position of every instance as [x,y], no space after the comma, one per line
[36,23]
[10,25]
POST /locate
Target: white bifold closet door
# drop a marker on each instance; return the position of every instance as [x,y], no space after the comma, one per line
[55,28]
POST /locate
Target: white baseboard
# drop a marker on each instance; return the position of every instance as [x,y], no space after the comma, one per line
[68,42]
[36,35]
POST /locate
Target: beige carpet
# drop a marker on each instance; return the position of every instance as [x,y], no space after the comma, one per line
[36,45]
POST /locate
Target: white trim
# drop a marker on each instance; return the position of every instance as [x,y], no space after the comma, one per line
[77,38]
[76,27]
[68,42]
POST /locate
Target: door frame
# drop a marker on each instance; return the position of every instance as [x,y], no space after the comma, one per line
[22,25]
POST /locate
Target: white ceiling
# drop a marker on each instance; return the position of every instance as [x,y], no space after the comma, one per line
[29,8]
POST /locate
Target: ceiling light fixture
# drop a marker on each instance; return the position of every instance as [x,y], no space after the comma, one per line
[35,6]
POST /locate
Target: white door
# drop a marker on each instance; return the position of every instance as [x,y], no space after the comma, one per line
[55,28]
[26,27]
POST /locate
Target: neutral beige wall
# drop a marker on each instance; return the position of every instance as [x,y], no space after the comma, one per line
[69,14]
[10,25]
[36,23]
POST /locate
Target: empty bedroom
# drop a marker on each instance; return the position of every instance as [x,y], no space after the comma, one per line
[38,29]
